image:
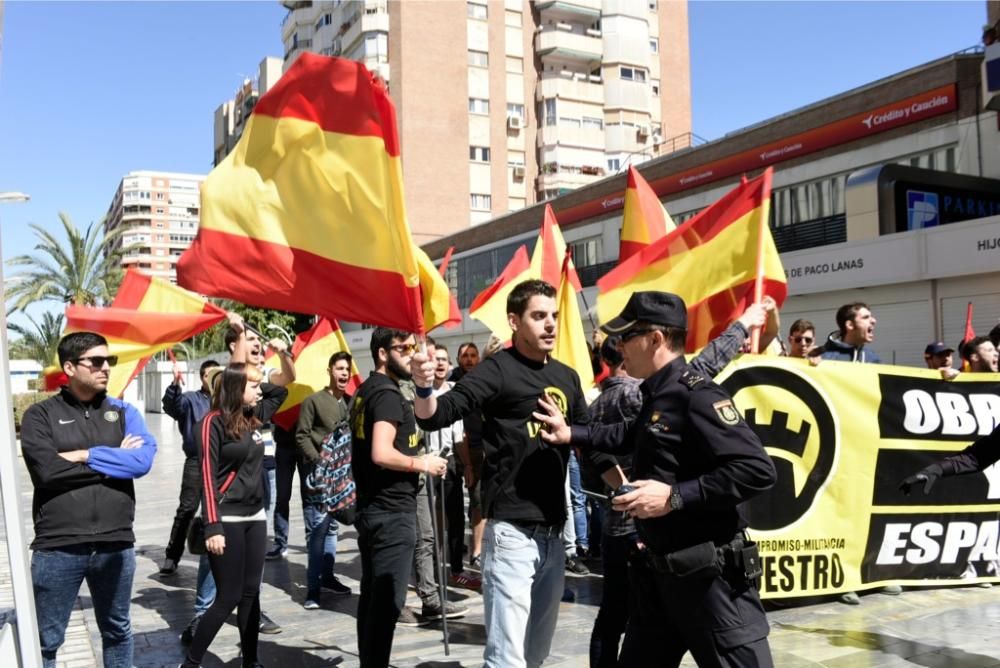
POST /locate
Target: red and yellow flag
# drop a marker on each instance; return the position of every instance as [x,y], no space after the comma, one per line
[644,219]
[454,312]
[490,306]
[311,351]
[571,341]
[712,261]
[439,305]
[307,212]
[550,253]
[147,315]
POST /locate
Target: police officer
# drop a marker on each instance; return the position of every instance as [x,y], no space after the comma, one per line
[696,461]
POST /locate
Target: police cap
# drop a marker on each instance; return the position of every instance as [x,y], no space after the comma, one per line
[657,308]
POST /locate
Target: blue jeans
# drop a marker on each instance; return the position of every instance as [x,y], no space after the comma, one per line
[205,590]
[57,574]
[321,543]
[270,494]
[579,501]
[523,580]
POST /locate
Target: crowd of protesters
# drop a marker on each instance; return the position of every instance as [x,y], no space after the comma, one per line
[498,469]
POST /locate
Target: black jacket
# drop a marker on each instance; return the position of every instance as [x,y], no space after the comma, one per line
[83,503]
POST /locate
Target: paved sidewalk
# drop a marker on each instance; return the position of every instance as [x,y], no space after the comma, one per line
[952,627]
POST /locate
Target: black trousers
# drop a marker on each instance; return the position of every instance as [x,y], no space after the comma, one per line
[187,506]
[287,462]
[237,572]
[612,617]
[718,619]
[454,508]
[386,541]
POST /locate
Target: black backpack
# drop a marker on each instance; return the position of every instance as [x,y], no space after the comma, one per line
[331,483]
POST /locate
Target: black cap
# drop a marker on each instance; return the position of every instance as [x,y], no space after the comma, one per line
[937,348]
[657,308]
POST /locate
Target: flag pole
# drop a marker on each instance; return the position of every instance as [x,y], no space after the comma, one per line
[758,284]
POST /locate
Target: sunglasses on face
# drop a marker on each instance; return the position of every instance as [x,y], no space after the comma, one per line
[632,333]
[404,348]
[96,361]
[803,339]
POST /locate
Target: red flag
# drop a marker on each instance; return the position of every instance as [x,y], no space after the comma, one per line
[490,306]
[454,312]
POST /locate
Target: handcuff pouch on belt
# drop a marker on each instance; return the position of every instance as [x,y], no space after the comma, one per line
[740,557]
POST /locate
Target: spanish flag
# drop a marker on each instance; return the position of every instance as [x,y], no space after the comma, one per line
[644,220]
[311,352]
[439,306]
[147,315]
[490,306]
[307,212]
[713,261]
[571,341]
[454,312]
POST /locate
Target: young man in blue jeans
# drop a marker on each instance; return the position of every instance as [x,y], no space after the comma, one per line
[83,449]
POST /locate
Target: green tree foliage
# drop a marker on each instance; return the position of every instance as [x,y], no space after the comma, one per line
[39,341]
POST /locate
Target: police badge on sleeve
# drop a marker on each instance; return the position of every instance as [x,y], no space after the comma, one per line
[727,412]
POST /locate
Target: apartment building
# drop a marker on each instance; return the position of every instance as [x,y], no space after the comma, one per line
[504,103]
[160,213]
[231,116]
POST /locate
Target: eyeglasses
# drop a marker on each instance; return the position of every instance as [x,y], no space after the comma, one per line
[803,339]
[632,333]
[404,348]
[96,361]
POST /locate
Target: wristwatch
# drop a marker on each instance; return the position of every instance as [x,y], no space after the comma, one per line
[676,500]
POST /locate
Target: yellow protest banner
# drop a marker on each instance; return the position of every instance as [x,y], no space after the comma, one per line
[842,436]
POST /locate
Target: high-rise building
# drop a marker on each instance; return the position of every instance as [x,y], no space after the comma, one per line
[231,116]
[503,103]
[160,213]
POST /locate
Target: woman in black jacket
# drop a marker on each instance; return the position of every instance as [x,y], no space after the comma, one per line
[230,455]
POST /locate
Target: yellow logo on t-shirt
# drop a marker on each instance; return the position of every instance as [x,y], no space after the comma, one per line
[554,396]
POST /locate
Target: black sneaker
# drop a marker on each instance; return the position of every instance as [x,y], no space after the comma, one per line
[575,566]
[276,553]
[408,618]
[267,625]
[432,611]
[191,629]
[336,586]
[169,567]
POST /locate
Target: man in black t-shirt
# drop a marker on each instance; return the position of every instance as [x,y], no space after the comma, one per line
[386,471]
[523,478]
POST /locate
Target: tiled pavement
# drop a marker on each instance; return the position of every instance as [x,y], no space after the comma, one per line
[954,628]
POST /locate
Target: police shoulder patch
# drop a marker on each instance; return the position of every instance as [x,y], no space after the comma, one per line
[727,412]
[690,379]
[111,416]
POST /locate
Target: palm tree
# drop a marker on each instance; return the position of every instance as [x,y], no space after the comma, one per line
[40,343]
[85,271]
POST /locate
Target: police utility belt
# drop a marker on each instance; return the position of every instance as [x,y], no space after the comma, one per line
[740,557]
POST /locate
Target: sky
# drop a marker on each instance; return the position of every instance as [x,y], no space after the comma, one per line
[92,90]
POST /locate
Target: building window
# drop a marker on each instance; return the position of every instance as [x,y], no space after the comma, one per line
[569,122]
[477,11]
[550,112]
[656,88]
[479,153]
[632,74]
[515,65]
[480,202]
[479,59]
[515,110]
[478,105]
[654,45]
[586,252]
[652,5]
[614,164]
[593,123]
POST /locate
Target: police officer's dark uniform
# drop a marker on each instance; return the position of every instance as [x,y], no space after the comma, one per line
[695,587]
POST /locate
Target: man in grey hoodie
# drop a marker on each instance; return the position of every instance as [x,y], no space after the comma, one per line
[856,325]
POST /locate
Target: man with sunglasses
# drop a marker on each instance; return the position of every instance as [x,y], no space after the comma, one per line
[801,338]
[386,467]
[83,449]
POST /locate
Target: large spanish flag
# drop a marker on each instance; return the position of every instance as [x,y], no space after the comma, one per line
[311,352]
[571,341]
[147,315]
[713,261]
[307,212]
[644,219]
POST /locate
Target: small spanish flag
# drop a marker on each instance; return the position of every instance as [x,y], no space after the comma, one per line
[644,219]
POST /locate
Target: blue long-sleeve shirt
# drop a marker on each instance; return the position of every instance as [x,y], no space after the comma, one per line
[116,462]
[187,408]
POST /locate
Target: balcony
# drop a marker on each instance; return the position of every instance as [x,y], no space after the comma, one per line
[583,10]
[300,45]
[569,135]
[360,24]
[578,87]
[565,178]
[562,44]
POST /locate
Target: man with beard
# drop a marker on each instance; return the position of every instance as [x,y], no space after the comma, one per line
[386,475]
